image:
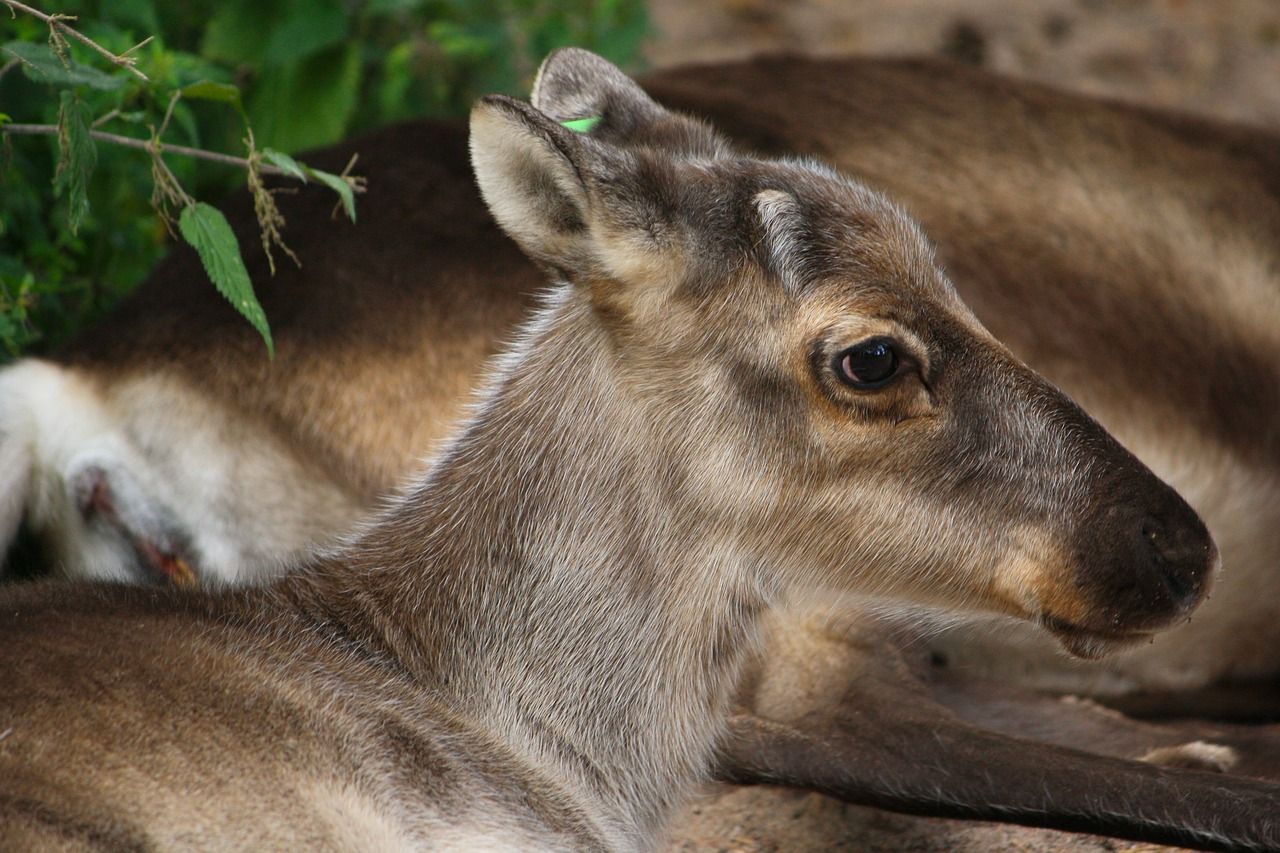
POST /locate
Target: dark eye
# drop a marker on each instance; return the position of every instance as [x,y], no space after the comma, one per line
[869,364]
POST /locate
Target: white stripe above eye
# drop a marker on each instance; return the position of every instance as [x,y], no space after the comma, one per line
[783,233]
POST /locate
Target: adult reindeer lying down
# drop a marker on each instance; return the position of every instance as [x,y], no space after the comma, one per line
[304,447]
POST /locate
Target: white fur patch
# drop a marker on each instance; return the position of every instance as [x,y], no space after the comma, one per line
[174,460]
[52,420]
[780,219]
[1196,755]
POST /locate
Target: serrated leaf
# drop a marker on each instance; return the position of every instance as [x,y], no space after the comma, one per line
[40,65]
[283,161]
[207,230]
[303,172]
[77,157]
[341,187]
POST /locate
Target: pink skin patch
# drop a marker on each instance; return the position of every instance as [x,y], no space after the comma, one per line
[96,500]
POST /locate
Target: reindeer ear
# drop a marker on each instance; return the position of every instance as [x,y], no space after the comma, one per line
[530,171]
[594,96]
[587,210]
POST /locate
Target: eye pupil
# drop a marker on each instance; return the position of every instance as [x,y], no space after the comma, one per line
[869,363]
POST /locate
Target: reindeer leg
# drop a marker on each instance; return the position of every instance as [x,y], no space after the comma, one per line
[1092,727]
[849,711]
[1243,701]
[104,493]
[930,764]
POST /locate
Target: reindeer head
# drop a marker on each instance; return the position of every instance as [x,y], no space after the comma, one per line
[814,387]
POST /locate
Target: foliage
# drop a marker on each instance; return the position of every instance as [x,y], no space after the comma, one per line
[260,79]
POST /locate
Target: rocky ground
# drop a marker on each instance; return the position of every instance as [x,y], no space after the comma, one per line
[1217,57]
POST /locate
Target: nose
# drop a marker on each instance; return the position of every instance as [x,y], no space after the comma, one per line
[1163,565]
[1180,557]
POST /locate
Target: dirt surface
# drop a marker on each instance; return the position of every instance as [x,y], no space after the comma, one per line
[1215,57]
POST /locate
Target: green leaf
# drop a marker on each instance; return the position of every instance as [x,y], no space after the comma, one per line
[341,187]
[207,90]
[285,162]
[40,65]
[302,172]
[140,14]
[77,157]
[309,103]
[381,7]
[239,30]
[397,77]
[310,26]
[207,230]
[582,125]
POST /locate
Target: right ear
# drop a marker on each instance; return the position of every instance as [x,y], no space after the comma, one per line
[574,85]
[531,174]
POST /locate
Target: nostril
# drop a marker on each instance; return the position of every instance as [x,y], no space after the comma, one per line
[1180,581]
[1179,571]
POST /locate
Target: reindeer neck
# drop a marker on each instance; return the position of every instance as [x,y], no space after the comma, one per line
[554,591]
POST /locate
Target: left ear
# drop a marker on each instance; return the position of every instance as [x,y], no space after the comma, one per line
[532,174]
[581,207]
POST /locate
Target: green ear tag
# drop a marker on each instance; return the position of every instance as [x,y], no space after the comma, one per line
[582,125]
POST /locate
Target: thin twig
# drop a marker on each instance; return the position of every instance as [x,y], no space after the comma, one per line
[143,145]
[8,66]
[142,43]
[168,114]
[103,119]
[56,22]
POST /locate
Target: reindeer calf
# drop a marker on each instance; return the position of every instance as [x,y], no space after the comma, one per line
[752,379]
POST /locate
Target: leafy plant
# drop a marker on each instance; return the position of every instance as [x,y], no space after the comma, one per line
[142,116]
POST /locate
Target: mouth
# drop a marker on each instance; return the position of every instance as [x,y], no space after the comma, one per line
[1090,643]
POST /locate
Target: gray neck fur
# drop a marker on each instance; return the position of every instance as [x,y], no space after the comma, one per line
[557,593]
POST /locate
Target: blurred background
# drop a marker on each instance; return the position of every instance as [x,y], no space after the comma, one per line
[312,72]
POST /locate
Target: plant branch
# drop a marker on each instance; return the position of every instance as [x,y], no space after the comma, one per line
[143,145]
[57,22]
